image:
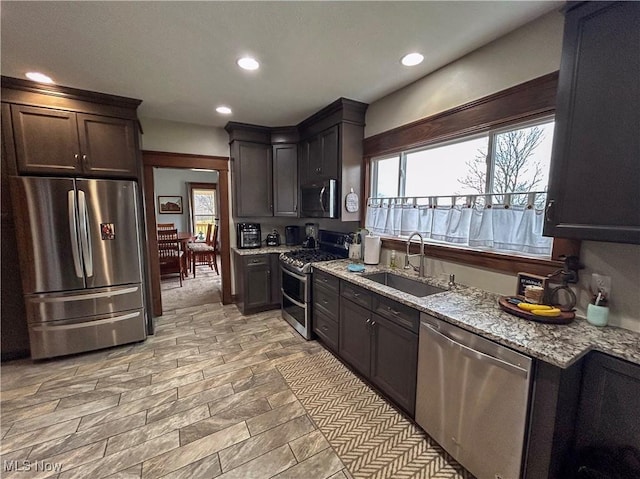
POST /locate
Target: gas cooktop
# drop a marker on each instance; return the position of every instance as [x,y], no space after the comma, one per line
[331,247]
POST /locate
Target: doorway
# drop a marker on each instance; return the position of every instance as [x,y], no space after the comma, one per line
[154,159]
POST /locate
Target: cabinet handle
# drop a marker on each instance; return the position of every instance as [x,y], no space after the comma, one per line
[547,214]
[372,327]
[324,328]
[76,156]
[84,158]
[356,295]
[393,311]
[368,321]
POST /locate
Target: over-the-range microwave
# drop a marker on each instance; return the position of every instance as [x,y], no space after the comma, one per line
[319,199]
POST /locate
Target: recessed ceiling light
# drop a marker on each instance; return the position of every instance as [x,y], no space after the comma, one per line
[248,63]
[224,110]
[39,77]
[412,59]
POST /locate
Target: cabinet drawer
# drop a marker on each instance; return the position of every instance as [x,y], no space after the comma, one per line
[258,259]
[397,312]
[356,294]
[326,329]
[326,301]
[326,280]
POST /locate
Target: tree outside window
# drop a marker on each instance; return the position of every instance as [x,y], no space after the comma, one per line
[203,209]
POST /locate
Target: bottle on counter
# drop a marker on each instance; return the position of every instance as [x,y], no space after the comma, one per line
[392,261]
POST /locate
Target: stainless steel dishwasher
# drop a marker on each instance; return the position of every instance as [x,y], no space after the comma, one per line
[472,398]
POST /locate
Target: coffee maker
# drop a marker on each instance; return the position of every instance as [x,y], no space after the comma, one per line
[311,233]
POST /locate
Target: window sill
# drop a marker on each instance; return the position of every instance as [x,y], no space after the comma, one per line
[501,262]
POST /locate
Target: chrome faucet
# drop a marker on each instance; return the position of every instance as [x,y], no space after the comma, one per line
[407,264]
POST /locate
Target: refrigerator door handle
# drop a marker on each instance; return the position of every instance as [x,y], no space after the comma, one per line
[85,239]
[73,233]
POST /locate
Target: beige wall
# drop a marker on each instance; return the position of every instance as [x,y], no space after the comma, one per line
[177,137]
[526,53]
[522,55]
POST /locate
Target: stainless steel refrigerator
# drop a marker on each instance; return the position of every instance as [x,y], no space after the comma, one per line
[80,259]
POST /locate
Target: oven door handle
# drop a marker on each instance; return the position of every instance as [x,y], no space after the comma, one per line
[297,303]
[300,277]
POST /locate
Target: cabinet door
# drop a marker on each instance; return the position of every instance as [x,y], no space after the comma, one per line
[107,145]
[355,336]
[285,180]
[314,159]
[609,403]
[304,172]
[394,362]
[595,179]
[252,179]
[330,158]
[46,140]
[257,287]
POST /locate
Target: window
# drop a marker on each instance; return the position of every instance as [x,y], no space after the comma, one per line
[203,208]
[507,169]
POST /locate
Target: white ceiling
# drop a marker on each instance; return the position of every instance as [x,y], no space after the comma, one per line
[179,57]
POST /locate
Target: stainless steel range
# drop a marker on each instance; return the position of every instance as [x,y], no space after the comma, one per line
[295,272]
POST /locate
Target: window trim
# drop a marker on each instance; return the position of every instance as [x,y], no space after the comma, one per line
[531,100]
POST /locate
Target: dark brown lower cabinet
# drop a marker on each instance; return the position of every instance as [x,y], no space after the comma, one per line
[394,361]
[257,282]
[383,352]
[607,435]
[355,336]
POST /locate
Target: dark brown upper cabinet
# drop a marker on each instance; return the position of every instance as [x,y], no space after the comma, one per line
[594,187]
[327,145]
[285,180]
[264,163]
[321,156]
[63,131]
[55,141]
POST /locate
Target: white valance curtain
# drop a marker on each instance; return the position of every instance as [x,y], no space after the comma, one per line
[497,227]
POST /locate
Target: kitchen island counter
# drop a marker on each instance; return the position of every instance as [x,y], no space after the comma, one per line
[477,311]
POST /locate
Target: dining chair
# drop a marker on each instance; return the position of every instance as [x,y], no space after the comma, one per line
[205,253]
[170,253]
[166,226]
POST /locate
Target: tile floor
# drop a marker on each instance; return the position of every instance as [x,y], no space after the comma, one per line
[203,398]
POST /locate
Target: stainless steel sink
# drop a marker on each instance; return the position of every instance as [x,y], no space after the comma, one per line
[404,284]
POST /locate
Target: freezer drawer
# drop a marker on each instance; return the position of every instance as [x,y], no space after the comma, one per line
[472,398]
[57,338]
[83,303]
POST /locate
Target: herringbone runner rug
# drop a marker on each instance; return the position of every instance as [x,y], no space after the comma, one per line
[370,436]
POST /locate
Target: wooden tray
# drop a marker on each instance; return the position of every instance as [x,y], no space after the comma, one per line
[565,317]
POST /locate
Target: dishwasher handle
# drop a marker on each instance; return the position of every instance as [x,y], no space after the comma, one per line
[447,341]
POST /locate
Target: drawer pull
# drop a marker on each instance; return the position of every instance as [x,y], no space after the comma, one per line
[393,311]
[324,328]
[356,295]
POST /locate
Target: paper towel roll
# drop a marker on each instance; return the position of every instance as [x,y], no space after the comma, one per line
[372,249]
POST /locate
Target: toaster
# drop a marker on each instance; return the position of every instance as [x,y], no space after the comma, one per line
[273,239]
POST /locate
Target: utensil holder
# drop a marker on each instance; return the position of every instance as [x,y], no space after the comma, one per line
[597,315]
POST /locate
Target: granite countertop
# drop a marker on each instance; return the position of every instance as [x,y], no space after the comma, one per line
[264,250]
[476,310]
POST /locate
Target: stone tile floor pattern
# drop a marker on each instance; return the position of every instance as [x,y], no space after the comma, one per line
[202,398]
